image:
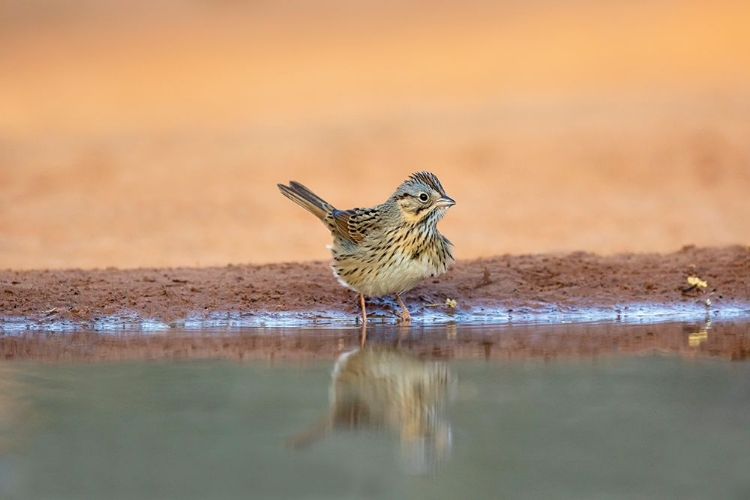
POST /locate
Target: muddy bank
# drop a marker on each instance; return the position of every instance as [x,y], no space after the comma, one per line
[522,285]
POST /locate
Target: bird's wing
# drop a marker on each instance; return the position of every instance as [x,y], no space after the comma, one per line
[354,225]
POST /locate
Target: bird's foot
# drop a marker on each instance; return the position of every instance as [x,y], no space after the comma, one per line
[404,314]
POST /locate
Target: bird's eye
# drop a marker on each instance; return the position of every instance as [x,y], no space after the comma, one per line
[423,197]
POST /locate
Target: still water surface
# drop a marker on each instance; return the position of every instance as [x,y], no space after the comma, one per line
[388,425]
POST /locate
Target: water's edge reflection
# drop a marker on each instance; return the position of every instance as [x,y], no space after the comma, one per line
[387,389]
[727,339]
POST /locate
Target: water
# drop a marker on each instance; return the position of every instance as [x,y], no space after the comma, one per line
[665,422]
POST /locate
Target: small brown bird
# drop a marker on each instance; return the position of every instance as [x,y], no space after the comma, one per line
[388,248]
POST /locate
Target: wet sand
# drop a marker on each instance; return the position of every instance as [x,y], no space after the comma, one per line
[520,289]
[538,284]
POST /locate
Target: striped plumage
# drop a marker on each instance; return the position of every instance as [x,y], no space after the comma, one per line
[388,248]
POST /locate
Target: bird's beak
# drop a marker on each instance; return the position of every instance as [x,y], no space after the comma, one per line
[445,201]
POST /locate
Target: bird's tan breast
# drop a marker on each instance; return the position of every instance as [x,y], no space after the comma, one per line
[380,271]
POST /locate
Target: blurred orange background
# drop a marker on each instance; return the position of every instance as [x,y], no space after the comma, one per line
[153,133]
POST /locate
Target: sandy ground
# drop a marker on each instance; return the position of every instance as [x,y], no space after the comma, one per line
[527,287]
[152,134]
[541,283]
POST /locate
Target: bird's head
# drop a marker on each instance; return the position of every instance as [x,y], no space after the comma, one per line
[421,198]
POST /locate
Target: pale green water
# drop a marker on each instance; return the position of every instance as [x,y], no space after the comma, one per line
[623,427]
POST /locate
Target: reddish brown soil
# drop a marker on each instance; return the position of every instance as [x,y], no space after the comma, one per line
[543,282]
[526,285]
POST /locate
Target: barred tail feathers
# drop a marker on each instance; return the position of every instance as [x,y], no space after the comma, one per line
[305,198]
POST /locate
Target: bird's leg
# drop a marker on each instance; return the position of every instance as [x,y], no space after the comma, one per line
[405,316]
[362,307]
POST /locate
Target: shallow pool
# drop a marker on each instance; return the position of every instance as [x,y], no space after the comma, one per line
[398,424]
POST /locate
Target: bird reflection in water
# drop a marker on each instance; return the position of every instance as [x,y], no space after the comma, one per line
[379,387]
